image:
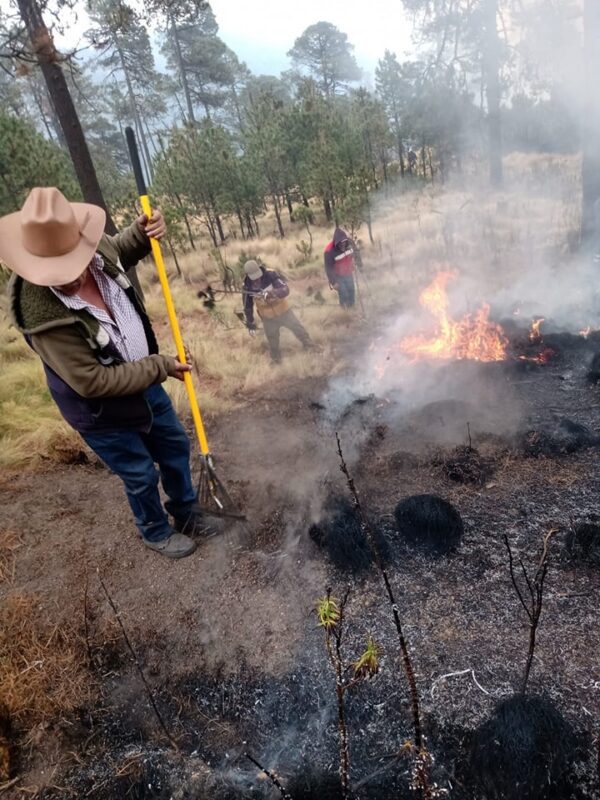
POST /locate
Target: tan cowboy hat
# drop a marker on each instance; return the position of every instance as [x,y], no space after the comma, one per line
[50,241]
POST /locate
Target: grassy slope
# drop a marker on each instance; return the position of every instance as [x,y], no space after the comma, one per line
[415,233]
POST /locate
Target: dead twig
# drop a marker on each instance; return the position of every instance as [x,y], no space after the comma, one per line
[86,628]
[271,776]
[470,672]
[4,787]
[136,661]
[422,758]
[535,591]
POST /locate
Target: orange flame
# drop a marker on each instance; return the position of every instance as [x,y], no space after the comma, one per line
[474,338]
[544,357]
[535,334]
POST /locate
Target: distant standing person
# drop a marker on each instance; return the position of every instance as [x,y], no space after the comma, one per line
[341,261]
[412,160]
[266,290]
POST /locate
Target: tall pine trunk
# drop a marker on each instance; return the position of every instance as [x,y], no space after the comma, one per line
[175,194]
[174,256]
[209,224]
[238,111]
[219,225]
[290,208]
[491,71]
[49,61]
[277,213]
[238,213]
[400,147]
[590,168]
[136,116]
[182,75]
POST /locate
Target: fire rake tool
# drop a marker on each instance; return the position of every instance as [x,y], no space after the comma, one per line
[213,498]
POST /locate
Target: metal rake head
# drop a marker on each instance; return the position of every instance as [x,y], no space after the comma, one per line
[213,498]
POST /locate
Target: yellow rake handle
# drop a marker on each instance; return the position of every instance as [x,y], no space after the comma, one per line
[187,376]
[164,282]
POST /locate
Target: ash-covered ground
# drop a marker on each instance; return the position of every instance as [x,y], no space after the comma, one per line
[230,642]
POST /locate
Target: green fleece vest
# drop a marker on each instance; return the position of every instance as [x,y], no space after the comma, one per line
[36,309]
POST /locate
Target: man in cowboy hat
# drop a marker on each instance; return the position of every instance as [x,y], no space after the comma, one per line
[72,300]
[266,290]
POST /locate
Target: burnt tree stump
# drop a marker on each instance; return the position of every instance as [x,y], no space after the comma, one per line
[583,542]
[594,370]
[429,522]
[524,751]
[338,532]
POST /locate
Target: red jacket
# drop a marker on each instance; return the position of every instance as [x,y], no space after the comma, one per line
[337,260]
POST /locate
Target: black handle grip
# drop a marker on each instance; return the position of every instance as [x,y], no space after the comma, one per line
[134,156]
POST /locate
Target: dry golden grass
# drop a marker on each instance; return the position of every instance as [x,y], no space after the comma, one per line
[31,429]
[43,664]
[9,543]
[477,232]
[44,656]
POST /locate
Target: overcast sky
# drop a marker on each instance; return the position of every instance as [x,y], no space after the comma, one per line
[262,31]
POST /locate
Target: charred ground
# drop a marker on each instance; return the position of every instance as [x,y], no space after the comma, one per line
[228,639]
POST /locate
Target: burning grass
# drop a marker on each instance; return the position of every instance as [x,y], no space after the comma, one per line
[473,337]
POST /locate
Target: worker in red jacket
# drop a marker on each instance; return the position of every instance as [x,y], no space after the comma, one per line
[341,260]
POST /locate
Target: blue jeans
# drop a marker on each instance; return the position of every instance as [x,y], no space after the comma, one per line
[132,455]
[345,284]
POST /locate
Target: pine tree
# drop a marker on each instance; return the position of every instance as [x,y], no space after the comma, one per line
[395,92]
[203,63]
[27,159]
[323,51]
[466,48]
[124,45]
[44,53]
[177,17]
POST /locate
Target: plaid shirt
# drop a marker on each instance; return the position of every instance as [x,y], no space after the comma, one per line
[126,330]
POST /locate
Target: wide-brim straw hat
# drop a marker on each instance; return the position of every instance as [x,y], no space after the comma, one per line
[50,241]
